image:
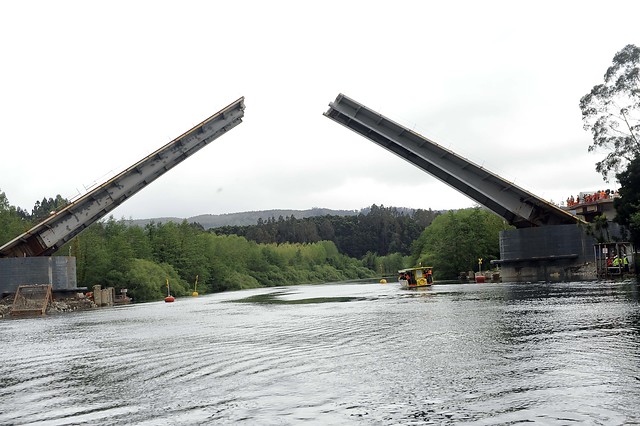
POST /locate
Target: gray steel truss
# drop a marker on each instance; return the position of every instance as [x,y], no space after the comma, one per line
[49,235]
[519,207]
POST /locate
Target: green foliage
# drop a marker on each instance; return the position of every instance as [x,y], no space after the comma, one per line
[394,262]
[628,205]
[111,254]
[14,220]
[634,227]
[140,259]
[611,111]
[147,281]
[92,257]
[12,223]
[456,240]
[42,209]
[386,265]
[599,229]
[378,230]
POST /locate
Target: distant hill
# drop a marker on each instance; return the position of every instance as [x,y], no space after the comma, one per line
[245,218]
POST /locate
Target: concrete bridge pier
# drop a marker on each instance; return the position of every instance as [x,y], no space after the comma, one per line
[547,253]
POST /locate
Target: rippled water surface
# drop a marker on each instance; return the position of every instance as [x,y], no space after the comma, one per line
[334,354]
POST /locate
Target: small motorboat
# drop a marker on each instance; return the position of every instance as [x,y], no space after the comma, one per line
[421,276]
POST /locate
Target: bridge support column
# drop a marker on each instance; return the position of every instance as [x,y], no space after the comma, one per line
[547,253]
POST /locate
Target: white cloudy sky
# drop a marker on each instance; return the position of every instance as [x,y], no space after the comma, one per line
[89,88]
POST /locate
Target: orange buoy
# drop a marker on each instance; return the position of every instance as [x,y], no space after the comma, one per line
[169,297]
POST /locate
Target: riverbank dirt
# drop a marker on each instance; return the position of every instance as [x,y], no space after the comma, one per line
[60,304]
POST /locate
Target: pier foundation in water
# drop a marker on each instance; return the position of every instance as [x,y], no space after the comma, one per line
[547,253]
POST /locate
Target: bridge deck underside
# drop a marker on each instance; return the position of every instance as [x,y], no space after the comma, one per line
[517,206]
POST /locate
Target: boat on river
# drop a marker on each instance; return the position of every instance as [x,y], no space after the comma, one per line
[421,276]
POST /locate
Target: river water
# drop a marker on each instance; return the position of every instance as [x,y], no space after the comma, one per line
[351,353]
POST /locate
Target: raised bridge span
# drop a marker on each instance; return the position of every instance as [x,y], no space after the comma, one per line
[517,206]
[50,234]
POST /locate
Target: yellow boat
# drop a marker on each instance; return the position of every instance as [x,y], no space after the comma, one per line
[421,276]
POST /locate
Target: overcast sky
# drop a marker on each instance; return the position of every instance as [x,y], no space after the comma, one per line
[90,88]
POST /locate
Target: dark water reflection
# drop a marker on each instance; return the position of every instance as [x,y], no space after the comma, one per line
[335,354]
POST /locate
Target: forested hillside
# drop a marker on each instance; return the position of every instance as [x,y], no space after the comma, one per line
[456,241]
[284,251]
[208,221]
[378,229]
[140,259]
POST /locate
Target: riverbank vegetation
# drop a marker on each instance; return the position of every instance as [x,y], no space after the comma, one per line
[141,259]
[455,242]
[378,229]
[375,243]
[611,112]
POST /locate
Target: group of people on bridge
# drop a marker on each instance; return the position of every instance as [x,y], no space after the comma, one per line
[591,198]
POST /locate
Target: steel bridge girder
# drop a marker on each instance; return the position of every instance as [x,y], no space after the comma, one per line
[519,207]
